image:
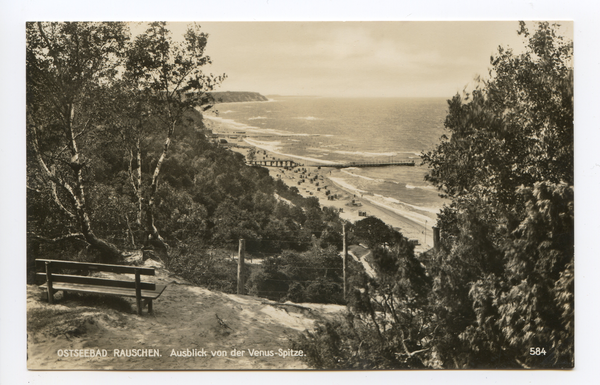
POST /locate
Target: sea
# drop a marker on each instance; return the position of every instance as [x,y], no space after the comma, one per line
[321,130]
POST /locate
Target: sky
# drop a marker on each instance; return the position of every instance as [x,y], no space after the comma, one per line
[351,59]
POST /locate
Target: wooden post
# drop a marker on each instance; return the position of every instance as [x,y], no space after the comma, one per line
[138,292]
[345,258]
[240,277]
[49,283]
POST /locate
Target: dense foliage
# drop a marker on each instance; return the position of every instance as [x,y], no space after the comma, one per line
[213,269]
[313,276]
[118,158]
[388,323]
[504,277]
[498,293]
[65,64]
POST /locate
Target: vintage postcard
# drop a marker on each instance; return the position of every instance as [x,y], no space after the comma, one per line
[350,196]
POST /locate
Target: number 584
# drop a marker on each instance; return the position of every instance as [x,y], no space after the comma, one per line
[537,351]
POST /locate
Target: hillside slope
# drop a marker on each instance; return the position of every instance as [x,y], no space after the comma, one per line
[239,96]
[185,317]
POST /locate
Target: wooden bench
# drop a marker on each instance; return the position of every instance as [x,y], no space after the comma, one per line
[79,282]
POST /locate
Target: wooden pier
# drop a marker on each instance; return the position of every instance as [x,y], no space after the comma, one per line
[364,164]
[292,164]
[275,163]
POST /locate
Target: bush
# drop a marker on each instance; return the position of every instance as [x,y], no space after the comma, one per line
[348,344]
[324,291]
[313,276]
[212,269]
[296,293]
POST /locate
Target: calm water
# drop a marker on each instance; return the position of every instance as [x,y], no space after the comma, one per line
[310,130]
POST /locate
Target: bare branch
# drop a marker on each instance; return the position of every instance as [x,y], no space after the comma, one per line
[130,171]
[43,35]
[34,189]
[522,364]
[404,344]
[66,146]
[50,174]
[59,203]
[410,354]
[76,236]
[130,231]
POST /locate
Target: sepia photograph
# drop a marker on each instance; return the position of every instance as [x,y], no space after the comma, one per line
[292,192]
[300,195]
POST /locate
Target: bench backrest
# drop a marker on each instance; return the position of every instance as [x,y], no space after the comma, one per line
[59,264]
[53,265]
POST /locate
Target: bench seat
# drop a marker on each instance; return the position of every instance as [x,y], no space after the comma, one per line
[120,291]
[82,282]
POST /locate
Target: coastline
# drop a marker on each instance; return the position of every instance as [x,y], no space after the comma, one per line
[348,202]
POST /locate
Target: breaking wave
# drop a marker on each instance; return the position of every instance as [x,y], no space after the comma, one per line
[275,148]
[307,118]
[421,187]
[366,154]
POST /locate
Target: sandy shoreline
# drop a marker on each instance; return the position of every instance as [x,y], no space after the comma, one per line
[348,202]
[316,182]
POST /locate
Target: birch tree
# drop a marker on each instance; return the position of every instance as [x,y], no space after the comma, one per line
[64,62]
[169,74]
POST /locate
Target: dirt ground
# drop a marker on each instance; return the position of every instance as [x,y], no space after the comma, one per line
[185,318]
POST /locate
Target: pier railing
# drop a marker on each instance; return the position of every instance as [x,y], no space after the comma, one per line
[291,163]
[364,164]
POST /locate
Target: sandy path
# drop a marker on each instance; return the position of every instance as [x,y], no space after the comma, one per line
[185,317]
[360,255]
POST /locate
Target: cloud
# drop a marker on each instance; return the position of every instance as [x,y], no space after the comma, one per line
[355,58]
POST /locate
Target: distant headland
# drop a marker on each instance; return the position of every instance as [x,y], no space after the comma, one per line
[237,96]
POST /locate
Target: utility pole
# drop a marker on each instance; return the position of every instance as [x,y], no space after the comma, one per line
[436,238]
[240,275]
[345,258]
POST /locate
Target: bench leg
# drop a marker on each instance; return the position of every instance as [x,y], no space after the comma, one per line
[49,283]
[50,295]
[138,292]
[150,310]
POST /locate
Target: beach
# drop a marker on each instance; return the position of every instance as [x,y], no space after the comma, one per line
[321,182]
[397,195]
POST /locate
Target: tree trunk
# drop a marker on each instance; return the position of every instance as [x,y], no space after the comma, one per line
[135,177]
[154,237]
[108,251]
[140,199]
